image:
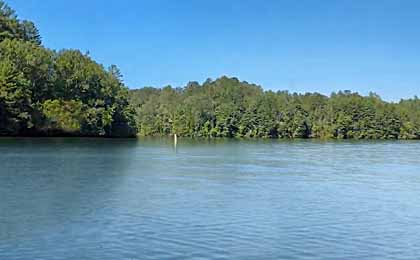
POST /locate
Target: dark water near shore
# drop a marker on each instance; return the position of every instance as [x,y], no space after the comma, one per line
[141,199]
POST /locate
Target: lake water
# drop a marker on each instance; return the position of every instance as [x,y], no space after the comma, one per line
[142,199]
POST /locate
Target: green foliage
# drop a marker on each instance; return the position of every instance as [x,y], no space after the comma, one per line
[66,92]
[9,25]
[29,32]
[15,103]
[64,115]
[12,28]
[43,92]
[34,62]
[227,107]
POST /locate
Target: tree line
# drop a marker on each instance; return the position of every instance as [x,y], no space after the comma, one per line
[227,107]
[47,92]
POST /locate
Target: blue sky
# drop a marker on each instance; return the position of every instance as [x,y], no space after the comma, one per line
[305,45]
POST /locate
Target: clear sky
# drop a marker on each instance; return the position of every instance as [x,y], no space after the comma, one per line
[298,45]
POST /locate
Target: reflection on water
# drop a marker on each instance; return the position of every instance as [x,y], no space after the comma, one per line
[208,199]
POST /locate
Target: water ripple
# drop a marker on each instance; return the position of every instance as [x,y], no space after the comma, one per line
[129,200]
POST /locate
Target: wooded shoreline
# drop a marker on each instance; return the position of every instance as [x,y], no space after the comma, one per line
[48,93]
[228,107]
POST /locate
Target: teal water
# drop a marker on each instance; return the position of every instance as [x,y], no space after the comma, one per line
[142,199]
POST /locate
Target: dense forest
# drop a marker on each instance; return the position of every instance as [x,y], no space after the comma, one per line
[46,92]
[227,107]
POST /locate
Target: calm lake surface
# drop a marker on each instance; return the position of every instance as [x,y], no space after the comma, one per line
[142,199]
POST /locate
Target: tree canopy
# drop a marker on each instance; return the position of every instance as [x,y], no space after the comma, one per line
[45,92]
[227,107]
